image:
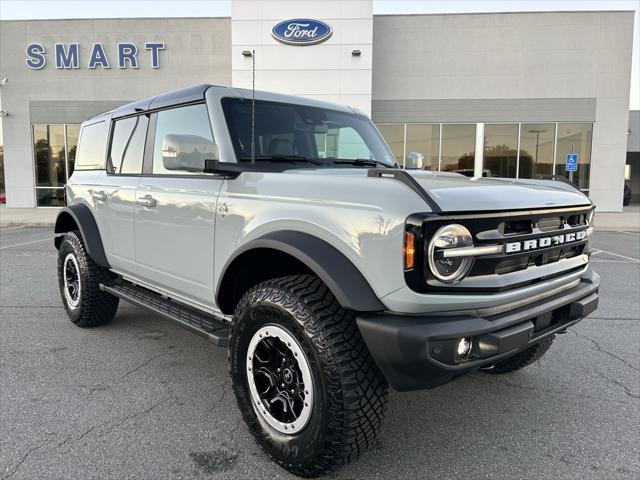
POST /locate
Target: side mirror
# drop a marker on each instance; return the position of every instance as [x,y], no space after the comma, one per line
[187,152]
[414,161]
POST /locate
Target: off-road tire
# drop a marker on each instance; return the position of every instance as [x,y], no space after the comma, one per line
[95,306]
[350,392]
[522,359]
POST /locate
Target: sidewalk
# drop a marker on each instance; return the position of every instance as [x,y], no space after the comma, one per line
[628,220]
[27,217]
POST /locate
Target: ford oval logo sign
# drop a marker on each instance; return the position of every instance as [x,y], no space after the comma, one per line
[301,31]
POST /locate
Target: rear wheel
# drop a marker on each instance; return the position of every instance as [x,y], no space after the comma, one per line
[522,359]
[79,279]
[304,380]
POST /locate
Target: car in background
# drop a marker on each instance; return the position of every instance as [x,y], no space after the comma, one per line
[3,198]
[626,196]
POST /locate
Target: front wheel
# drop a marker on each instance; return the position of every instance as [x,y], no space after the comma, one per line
[304,380]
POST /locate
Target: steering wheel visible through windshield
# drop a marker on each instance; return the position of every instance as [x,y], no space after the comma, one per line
[303,133]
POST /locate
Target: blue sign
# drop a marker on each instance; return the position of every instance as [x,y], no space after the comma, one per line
[572,162]
[301,31]
[68,56]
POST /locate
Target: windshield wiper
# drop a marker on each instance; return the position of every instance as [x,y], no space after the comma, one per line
[282,158]
[366,162]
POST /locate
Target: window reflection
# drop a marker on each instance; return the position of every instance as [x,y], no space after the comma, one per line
[536,149]
[458,148]
[424,139]
[500,150]
[575,138]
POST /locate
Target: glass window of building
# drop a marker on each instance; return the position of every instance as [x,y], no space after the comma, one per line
[575,138]
[50,155]
[2,187]
[54,149]
[394,136]
[192,121]
[73,132]
[500,150]
[536,149]
[425,139]
[458,148]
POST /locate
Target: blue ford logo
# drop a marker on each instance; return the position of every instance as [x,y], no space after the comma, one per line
[301,31]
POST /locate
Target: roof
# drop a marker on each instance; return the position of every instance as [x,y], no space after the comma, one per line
[175,97]
[197,93]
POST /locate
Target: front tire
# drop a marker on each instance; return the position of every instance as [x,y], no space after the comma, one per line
[305,382]
[79,279]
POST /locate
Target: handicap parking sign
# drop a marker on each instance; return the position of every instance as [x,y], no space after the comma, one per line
[572,162]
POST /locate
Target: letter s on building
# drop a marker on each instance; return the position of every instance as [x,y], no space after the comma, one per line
[35,56]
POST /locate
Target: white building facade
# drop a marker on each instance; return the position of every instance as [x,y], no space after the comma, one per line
[500,94]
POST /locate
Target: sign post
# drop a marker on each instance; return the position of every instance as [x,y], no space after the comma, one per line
[571,164]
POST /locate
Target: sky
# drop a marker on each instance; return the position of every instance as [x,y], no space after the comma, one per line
[38,9]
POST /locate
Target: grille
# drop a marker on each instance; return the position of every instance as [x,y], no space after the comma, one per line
[555,230]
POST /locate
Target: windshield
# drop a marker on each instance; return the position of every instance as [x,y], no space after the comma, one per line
[298,132]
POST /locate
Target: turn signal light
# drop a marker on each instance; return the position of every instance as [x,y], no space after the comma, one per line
[409,250]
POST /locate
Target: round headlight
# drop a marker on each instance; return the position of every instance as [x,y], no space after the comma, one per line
[450,269]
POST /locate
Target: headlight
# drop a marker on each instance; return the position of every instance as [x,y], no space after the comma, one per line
[452,269]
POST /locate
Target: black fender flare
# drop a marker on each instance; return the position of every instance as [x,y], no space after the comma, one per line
[337,272]
[80,215]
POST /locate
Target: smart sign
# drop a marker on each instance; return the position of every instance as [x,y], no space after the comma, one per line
[67,56]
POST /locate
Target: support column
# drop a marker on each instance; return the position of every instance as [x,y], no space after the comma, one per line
[479,156]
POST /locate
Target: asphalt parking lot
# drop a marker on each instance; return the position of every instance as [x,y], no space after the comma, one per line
[141,398]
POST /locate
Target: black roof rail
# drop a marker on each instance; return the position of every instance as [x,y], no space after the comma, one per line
[168,99]
[406,178]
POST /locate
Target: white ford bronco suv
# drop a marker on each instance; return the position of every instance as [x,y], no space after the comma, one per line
[282,229]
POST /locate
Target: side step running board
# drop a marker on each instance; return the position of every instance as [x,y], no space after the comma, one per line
[206,325]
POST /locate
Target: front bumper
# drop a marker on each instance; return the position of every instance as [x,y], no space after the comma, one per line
[416,352]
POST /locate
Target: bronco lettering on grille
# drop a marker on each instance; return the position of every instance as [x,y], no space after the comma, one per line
[544,242]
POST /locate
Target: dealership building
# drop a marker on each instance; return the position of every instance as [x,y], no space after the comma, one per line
[493,94]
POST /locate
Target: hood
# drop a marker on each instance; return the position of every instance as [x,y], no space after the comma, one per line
[457,193]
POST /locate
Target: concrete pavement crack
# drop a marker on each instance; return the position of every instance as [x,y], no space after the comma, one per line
[22,460]
[142,365]
[70,440]
[626,389]
[607,352]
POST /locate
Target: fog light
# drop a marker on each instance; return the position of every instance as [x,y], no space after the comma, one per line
[464,347]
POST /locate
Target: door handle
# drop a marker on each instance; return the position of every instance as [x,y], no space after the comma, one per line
[147,201]
[100,196]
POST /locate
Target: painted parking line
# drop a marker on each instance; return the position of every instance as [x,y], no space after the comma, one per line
[635,234]
[596,251]
[26,243]
[10,228]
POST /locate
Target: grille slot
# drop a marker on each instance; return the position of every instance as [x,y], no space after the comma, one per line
[549,224]
[518,227]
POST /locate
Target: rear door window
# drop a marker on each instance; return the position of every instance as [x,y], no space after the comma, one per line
[127,145]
